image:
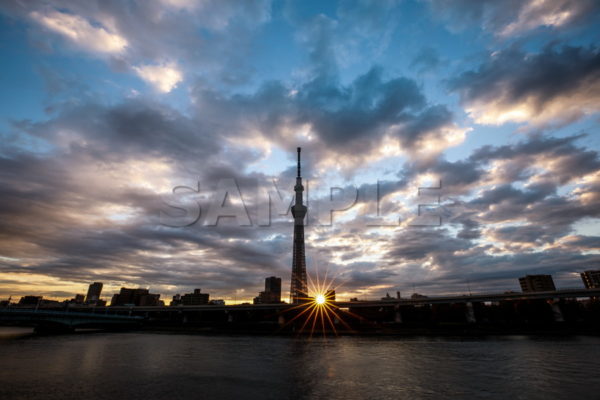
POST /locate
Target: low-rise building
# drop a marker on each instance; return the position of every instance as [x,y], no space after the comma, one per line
[537,283]
[197,298]
[135,297]
[591,279]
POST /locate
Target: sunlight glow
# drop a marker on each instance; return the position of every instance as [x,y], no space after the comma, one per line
[320,299]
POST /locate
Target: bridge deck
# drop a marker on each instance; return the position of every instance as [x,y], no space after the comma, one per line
[112,312]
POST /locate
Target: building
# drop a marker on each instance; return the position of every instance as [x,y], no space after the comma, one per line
[390,298]
[176,300]
[273,285]
[259,299]
[30,300]
[135,297]
[298,285]
[150,300]
[272,292]
[537,283]
[197,298]
[330,295]
[591,279]
[78,299]
[38,301]
[128,297]
[94,291]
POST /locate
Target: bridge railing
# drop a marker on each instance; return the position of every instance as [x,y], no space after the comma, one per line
[77,314]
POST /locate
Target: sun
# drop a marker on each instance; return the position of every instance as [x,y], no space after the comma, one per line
[318,311]
[320,299]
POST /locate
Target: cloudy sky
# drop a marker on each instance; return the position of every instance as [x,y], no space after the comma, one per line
[141,141]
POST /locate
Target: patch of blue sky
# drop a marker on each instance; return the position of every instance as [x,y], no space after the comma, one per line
[587,227]
[22,89]
[272,164]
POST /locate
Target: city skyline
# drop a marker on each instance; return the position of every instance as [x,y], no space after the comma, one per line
[457,145]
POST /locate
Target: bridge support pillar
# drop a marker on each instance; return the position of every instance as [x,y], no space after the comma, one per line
[470,313]
[556,311]
[398,315]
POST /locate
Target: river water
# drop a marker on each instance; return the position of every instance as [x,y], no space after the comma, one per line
[184,366]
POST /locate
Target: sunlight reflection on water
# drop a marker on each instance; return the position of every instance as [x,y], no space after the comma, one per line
[151,365]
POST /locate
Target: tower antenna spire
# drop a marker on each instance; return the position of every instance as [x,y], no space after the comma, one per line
[299,150]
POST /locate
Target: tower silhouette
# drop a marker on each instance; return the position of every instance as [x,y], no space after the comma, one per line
[299,289]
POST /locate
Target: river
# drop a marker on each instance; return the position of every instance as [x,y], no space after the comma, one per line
[184,366]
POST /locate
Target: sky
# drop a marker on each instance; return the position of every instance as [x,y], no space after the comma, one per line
[447,146]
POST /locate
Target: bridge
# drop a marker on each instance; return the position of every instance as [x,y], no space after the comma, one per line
[64,321]
[553,306]
[577,293]
[556,306]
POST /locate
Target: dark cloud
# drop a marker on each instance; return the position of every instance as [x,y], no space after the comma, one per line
[61,210]
[495,224]
[549,215]
[515,17]
[460,263]
[131,128]
[585,242]
[46,202]
[362,274]
[532,234]
[418,244]
[345,119]
[509,195]
[555,85]
[568,161]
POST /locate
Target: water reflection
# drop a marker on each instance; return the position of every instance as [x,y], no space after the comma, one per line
[150,366]
[9,332]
